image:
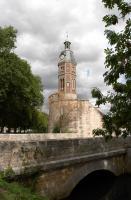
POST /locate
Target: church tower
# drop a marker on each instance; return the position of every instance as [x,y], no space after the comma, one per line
[67,113]
[67,73]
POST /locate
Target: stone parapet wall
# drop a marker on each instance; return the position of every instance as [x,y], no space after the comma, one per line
[40,137]
[27,153]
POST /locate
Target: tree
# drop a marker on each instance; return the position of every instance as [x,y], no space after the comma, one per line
[20,90]
[118,64]
[40,122]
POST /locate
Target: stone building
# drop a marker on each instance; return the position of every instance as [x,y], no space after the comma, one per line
[67,113]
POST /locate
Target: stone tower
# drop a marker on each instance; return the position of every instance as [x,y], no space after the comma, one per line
[67,72]
[67,113]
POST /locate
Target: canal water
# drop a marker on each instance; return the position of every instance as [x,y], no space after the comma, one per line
[105,186]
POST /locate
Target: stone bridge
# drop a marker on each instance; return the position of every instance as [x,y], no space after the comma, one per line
[58,162]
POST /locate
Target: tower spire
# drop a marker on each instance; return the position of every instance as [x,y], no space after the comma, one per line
[67,43]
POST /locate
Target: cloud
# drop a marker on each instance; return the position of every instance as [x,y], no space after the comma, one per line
[42,27]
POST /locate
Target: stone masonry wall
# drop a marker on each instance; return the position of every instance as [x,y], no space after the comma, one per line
[27,153]
[73,115]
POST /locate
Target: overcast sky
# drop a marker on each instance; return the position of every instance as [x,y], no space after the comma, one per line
[42,27]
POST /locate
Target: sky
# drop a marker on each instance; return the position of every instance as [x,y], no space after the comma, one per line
[42,27]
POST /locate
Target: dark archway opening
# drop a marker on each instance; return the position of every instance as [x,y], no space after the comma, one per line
[94,186]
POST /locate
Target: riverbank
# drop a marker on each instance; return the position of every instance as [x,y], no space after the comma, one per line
[16,191]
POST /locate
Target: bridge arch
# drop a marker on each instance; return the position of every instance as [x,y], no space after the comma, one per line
[94,186]
[81,172]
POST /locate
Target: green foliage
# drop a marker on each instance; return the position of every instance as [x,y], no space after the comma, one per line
[15,191]
[56,128]
[7,39]
[96,93]
[123,7]
[112,19]
[20,90]
[118,63]
[40,122]
[8,173]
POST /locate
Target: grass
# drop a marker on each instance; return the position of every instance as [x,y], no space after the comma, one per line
[15,191]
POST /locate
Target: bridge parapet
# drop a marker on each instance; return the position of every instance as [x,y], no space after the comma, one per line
[62,160]
[27,153]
